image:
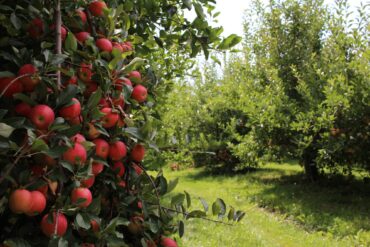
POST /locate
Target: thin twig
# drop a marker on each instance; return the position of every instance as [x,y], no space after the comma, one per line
[12,82]
[7,172]
[58,40]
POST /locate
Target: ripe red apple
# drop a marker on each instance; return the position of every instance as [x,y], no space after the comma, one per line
[23,109]
[140,93]
[135,76]
[94,225]
[119,168]
[38,170]
[36,28]
[168,242]
[63,31]
[88,182]
[43,189]
[121,122]
[110,118]
[126,46]
[20,201]
[76,155]
[117,150]
[137,169]
[38,203]
[82,36]
[119,101]
[103,103]
[117,46]
[97,168]
[42,116]
[138,153]
[78,194]
[8,86]
[29,82]
[75,121]
[49,161]
[96,8]
[71,111]
[92,131]
[81,14]
[104,44]
[101,148]
[72,80]
[59,222]
[122,184]
[85,72]
[91,87]
[118,83]
[78,138]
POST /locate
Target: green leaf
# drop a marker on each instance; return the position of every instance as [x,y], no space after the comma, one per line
[199,10]
[82,221]
[16,242]
[94,99]
[25,99]
[239,215]
[196,214]
[67,166]
[187,4]
[66,95]
[181,228]
[6,74]
[178,199]
[135,63]
[204,203]
[172,184]
[5,130]
[70,43]
[15,21]
[231,214]
[229,42]
[188,199]
[57,59]
[39,145]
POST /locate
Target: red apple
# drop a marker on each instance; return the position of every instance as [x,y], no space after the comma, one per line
[138,153]
[71,111]
[63,31]
[117,150]
[76,155]
[126,46]
[139,93]
[75,121]
[88,182]
[121,122]
[59,225]
[168,242]
[78,138]
[94,225]
[23,109]
[122,184]
[43,189]
[118,83]
[36,28]
[117,46]
[82,36]
[137,169]
[20,201]
[104,44]
[81,14]
[101,148]
[110,118]
[119,168]
[119,101]
[30,81]
[134,76]
[85,72]
[38,170]
[42,116]
[72,80]
[78,194]
[9,87]
[97,168]
[38,203]
[91,87]
[103,103]
[96,8]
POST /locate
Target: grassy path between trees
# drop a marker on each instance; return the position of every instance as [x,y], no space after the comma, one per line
[281,209]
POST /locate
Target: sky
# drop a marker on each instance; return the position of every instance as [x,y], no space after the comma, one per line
[231,17]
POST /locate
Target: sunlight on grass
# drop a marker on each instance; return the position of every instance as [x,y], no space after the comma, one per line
[281,209]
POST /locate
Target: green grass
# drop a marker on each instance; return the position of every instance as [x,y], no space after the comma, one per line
[282,209]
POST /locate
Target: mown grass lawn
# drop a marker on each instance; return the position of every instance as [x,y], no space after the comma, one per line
[282,209]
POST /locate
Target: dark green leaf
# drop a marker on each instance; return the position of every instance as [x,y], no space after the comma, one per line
[172,184]
[94,99]
[66,95]
[6,74]
[196,214]
[15,21]
[25,99]
[178,199]
[229,42]
[204,203]
[82,221]
[188,199]
[181,228]
[70,42]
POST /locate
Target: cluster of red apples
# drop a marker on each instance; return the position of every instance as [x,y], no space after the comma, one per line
[42,116]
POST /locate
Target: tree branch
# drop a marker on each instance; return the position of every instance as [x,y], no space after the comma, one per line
[58,39]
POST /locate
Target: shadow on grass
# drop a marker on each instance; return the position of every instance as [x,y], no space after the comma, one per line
[337,205]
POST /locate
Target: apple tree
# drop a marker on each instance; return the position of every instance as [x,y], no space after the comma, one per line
[78,86]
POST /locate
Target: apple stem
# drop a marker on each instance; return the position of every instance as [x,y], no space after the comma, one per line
[58,39]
